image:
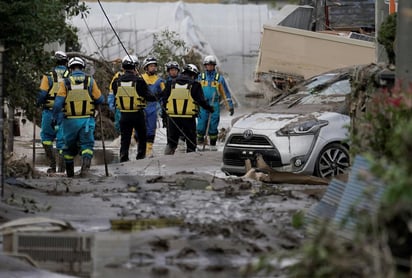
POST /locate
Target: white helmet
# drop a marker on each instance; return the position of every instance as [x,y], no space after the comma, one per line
[148,61]
[130,62]
[172,65]
[191,69]
[76,61]
[209,60]
[61,56]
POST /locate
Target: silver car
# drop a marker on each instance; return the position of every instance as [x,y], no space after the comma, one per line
[305,131]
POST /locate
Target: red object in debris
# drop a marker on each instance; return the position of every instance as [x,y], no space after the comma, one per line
[392,6]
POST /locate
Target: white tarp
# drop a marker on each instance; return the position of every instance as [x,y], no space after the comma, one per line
[212,28]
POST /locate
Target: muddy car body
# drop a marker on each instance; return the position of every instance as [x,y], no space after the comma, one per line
[305,131]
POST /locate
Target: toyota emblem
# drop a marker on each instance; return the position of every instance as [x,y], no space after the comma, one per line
[248,134]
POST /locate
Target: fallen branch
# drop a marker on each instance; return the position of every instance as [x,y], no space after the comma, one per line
[265,173]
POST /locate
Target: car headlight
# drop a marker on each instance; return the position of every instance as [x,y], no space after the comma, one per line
[302,128]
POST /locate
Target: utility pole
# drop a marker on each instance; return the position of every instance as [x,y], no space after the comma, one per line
[381,12]
[404,44]
[1,122]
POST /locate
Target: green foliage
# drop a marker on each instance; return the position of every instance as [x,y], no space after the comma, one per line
[328,255]
[387,35]
[167,46]
[298,219]
[27,26]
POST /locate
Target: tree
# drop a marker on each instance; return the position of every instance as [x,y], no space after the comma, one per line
[167,47]
[27,26]
[387,35]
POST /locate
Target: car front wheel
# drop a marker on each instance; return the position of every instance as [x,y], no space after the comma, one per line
[332,161]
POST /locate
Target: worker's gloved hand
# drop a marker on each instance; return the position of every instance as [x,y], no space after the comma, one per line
[210,109]
[231,111]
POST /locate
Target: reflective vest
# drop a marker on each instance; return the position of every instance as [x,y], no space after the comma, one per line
[180,102]
[205,83]
[55,77]
[78,103]
[127,99]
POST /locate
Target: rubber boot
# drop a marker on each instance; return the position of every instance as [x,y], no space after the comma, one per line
[213,147]
[200,139]
[141,153]
[169,150]
[149,150]
[61,164]
[124,157]
[48,149]
[86,162]
[69,168]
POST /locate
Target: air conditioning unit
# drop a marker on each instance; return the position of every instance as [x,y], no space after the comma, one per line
[63,252]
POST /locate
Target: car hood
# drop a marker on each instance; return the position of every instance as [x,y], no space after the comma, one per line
[265,121]
[269,122]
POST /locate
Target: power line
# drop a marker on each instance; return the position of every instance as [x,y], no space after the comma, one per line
[114,31]
[94,40]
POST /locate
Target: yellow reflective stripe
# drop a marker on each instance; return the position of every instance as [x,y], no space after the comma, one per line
[78,117]
[68,157]
[87,151]
[47,143]
[213,136]
[181,116]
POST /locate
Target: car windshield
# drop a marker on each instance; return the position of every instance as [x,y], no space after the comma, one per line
[315,81]
[336,92]
[322,92]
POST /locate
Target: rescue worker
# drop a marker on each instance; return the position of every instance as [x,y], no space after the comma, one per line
[48,89]
[112,103]
[156,86]
[172,70]
[215,89]
[182,97]
[78,96]
[131,93]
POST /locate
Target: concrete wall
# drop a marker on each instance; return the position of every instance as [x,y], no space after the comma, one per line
[300,52]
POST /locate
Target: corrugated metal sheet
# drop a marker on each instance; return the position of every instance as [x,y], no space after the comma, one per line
[326,208]
[344,203]
[362,194]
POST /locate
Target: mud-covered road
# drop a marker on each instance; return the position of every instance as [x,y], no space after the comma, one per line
[185,217]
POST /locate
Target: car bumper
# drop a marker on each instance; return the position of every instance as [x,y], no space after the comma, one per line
[237,151]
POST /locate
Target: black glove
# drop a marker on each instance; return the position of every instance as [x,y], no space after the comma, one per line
[210,108]
[231,111]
